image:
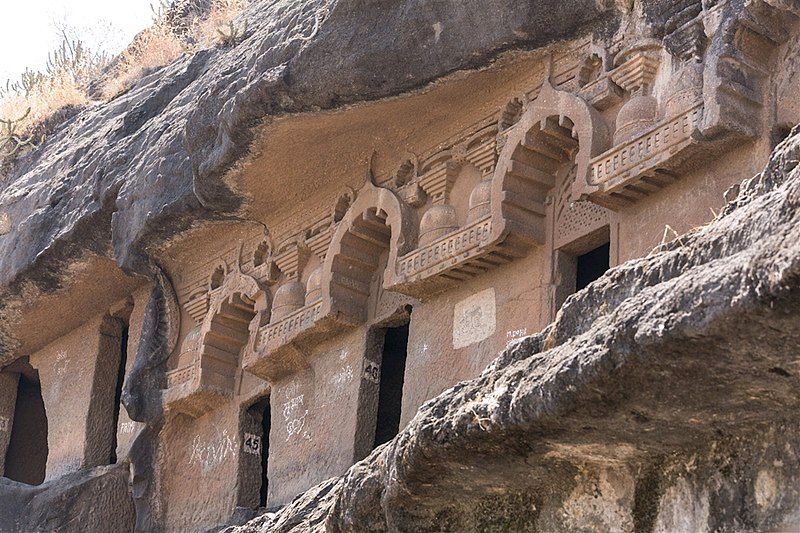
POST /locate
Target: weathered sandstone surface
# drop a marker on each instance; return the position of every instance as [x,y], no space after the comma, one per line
[122,178]
[663,398]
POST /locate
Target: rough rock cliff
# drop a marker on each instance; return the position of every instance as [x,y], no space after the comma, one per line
[122,178]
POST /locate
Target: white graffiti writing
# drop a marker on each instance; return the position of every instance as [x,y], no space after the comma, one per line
[295,415]
[61,364]
[3,423]
[211,454]
[516,333]
[342,377]
[291,390]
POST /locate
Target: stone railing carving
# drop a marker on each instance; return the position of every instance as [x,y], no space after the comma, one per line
[457,256]
[281,347]
[180,376]
[643,165]
[445,252]
[287,328]
[714,101]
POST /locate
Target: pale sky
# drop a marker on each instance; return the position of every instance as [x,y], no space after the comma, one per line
[28,28]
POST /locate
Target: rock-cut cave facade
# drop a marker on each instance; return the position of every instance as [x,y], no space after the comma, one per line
[305,335]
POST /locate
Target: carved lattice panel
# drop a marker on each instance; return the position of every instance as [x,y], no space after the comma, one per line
[575,219]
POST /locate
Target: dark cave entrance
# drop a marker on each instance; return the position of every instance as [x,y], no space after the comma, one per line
[591,265]
[26,457]
[256,445]
[579,263]
[390,392]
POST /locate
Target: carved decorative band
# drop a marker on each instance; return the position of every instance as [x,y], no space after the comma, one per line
[298,320]
[446,248]
[659,140]
[179,376]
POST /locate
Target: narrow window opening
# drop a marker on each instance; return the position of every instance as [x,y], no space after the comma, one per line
[592,265]
[123,363]
[26,457]
[390,395]
[265,427]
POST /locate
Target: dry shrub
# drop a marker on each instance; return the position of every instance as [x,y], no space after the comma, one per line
[43,101]
[154,47]
[61,85]
[159,45]
[65,83]
[210,31]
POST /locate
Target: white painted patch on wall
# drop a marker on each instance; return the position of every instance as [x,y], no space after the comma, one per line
[474,319]
[437,31]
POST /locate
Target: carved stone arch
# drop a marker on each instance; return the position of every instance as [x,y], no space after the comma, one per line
[244,293]
[557,130]
[376,223]
[226,334]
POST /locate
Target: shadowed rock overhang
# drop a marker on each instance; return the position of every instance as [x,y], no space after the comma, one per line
[123,178]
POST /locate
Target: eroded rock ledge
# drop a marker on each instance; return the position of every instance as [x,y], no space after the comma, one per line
[123,178]
[664,397]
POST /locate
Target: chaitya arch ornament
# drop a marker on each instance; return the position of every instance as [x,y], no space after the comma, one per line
[375,225]
[209,363]
[558,130]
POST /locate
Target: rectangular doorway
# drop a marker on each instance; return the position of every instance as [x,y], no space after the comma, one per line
[26,457]
[579,263]
[392,376]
